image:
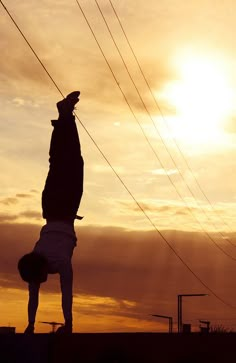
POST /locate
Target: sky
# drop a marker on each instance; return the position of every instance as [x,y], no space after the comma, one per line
[170,137]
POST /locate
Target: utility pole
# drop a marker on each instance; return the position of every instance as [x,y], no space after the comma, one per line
[180,311]
[170,321]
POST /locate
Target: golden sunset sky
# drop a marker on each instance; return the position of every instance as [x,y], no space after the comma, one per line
[174,150]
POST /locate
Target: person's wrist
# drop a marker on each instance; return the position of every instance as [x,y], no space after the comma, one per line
[68,323]
[29,329]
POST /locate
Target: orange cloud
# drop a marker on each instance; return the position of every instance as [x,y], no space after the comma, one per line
[124,275]
[9,201]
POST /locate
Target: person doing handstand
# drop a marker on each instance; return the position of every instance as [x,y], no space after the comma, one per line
[60,202]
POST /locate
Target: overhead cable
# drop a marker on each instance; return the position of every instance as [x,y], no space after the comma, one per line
[122,182]
[142,129]
[164,119]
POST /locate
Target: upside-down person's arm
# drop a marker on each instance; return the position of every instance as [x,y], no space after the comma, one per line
[32,306]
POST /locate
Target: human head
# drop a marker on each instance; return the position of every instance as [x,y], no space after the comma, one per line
[33,267]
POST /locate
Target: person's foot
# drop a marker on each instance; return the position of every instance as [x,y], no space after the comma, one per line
[66,106]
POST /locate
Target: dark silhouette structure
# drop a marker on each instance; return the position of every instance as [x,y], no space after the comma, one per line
[53,324]
[60,201]
[136,347]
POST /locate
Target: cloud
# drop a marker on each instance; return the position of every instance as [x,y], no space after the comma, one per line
[99,305]
[158,207]
[14,200]
[96,79]
[4,217]
[19,102]
[19,67]
[34,191]
[16,208]
[73,49]
[129,274]
[164,172]
[9,201]
[113,252]
[106,169]
[23,195]
[31,214]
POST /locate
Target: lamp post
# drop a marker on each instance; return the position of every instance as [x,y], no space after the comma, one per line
[180,323]
[170,321]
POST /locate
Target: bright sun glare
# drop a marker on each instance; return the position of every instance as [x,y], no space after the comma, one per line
[202,98]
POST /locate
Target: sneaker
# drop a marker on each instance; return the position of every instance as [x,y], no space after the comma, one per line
[66,106]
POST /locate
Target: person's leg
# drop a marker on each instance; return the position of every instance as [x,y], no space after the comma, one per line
[64,184]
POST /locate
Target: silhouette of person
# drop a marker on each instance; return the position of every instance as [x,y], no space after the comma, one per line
[60,201]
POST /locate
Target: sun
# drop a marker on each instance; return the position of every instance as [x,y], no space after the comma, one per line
[202,98]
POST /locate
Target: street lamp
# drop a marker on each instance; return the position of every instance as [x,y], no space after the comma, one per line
[180,324]
[170,321]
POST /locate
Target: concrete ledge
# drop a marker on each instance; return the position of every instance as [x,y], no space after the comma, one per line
[119,348]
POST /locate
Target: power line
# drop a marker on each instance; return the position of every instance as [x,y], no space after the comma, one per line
[35,54]
[163,142]
[125,98]
[140,207]
[143,132]
[164,119]
[122,182]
